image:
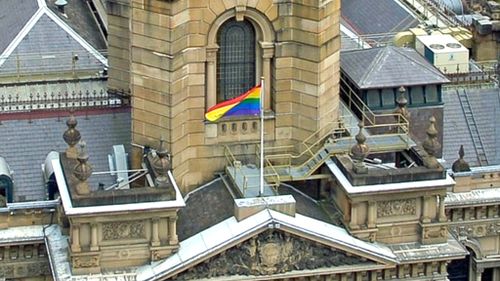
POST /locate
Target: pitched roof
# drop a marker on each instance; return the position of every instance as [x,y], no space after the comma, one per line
[389,67]
[229,232]
[457,130]
[205,206]
[42,41]
[365,17]
[13,20]
[25,146]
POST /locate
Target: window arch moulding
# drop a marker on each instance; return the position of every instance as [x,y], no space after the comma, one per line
[264,52]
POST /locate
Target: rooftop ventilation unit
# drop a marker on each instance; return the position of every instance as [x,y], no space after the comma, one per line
[48,175]
[119,167]
[61,4]
[6,184]
[444,52]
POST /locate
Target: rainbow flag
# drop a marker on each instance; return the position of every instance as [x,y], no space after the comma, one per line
[246,104]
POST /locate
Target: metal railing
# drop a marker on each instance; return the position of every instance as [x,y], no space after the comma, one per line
[246,180]
[370,119]
[28,102]
[473,77]
[280,160]
[71,64]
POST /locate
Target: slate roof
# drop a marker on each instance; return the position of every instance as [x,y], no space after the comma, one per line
[212,203]
[79,18]
[366,17]
[206,206]
[25,146]
[485,106]
[13,20]
[42,41]
[307,206]
[229,232]
[387,67]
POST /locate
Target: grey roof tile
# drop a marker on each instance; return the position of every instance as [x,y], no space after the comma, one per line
[389,67]
[47,47]
[367,17]
[207,206]
[79,18]
[25,146]
[13,16]
[485,105]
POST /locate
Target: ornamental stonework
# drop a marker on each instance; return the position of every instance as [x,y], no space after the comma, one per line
[396,208]
[271,252]
[123,230]
[475,230]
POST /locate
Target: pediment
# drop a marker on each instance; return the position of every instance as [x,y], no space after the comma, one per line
[276,252]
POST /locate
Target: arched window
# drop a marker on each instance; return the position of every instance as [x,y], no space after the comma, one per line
[235,59]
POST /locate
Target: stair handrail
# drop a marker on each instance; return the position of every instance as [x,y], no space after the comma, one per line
[230,158]
[366,112]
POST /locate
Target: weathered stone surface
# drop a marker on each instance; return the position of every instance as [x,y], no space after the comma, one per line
[271,252]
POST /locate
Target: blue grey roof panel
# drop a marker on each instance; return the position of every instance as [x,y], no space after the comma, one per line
[389,67]
[485,106]
[13,17]
[372,17]
[47,47]
[25,146]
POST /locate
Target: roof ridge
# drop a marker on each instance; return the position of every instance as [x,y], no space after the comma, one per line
[374,62]
[429,67]
[21,34]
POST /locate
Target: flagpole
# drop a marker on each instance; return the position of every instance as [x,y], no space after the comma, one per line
[261,190]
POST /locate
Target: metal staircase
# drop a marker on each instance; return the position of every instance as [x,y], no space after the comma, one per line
[390,132]
[471,124]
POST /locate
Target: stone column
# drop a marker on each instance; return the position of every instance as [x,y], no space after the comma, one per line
[35,250]
[6,255]
[93,237]
[211,75]
[372,214]
[425,209]
[155,236]
[75,238]
[354,217]
[267,55]
[172,231]
[479,275]
[442,213]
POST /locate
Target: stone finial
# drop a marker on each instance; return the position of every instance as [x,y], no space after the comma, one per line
[402,102]
[161,166]
[82,170]
[71,136]
[431,145]
[359,151]
[460,165]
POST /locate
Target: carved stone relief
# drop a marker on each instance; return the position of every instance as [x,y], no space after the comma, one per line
[396,208]
[25,269]
[271,252]
[123,230]
[85,261]
[476,230]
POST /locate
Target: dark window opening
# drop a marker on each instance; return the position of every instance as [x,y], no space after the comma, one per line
[235,59]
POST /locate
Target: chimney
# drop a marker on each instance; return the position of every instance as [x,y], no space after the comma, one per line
[60,5]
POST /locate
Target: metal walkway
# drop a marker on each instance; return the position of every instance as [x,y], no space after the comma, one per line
[300,161]
[246,177]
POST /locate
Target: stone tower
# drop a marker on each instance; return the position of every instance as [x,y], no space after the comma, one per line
[187,55]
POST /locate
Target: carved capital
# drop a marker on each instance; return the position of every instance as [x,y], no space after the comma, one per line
[267,49]
[212,53]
